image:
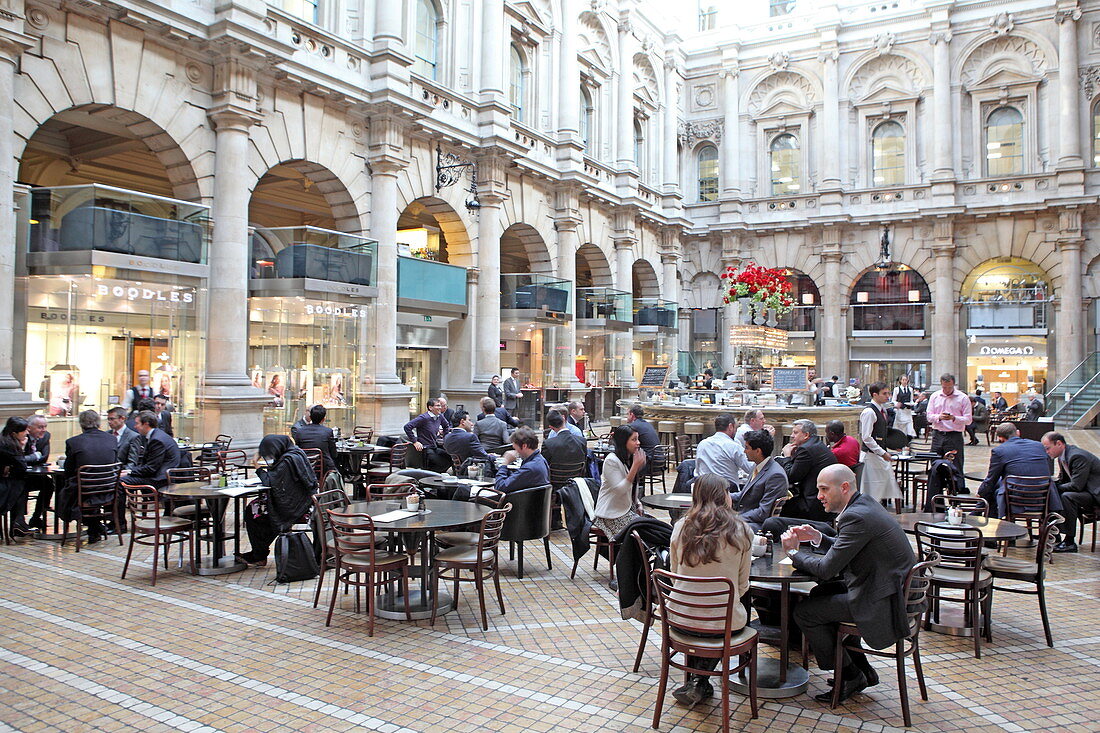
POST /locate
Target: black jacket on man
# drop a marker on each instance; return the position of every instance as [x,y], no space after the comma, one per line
[464,445]
[564,449]
[1084,471]
[161,453]
[91,448]
[804,464]
[321,437]
[872,556]
[647,436]
[41,446]
[164,422]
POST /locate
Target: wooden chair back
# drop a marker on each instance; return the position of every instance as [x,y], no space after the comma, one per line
[687,603]
[188,474]
[488,496]
[390,492]
[915,591]
[1027,497]
[143,502]
[563,473]
[96,486]
[363,433]
[969,504]
[491,526]
[959,548]
[352,533]
[317,461]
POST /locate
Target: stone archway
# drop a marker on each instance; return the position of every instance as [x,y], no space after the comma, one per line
[644,282]
[523,250]
[303,193]
[593,269]
[431,211]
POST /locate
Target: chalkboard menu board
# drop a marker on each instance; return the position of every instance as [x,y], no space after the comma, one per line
[655,377]
[789,379]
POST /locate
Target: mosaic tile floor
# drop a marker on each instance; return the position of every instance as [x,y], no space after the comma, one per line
[83,650]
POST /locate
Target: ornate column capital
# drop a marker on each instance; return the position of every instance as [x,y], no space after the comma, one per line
[937,37]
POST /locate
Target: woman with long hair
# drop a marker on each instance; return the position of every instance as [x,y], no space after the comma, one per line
[711,541]
[13,469]
[616,505]
[291,481]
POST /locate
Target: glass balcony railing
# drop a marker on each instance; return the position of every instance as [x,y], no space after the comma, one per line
[801,318]
[606,303]
[524,291]
[889,317]
[1022,314]
[654,312]
[436,282]
[308,252]
[108,219]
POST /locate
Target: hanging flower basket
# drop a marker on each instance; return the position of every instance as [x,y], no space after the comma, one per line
[765,289]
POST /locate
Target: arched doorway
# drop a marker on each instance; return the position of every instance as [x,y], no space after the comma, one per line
[1007,304]
[603,313]
[889,312]
[654,320]
[434,250]
[535,305]
[801,322]
[310,295]
[116,267]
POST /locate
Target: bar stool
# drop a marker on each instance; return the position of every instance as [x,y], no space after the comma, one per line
[694,431]
[666,433]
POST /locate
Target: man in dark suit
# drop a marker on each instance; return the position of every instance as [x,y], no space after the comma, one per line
[1078,482]
[92,447]
[802,459]
[576,414]
[563,447]
[123,434]
[316,435]
[161,454]
[462,443]
[512,392]
[1015,456]
[495,391]
[533,470]
[872,556]
[999,403]
[164,417]
[767,483]
[37,453]
[495,410]
[647,436]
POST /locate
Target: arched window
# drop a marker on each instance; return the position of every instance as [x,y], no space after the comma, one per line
[888,154]
[304,9]
[890,300]
[588,113]
[1004,142]
[786,169]
[639,146]
[707,173]
[427,39]
[517,86]
[1096,135]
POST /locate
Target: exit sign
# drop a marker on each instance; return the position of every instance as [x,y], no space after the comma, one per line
[428,319]
[889,341]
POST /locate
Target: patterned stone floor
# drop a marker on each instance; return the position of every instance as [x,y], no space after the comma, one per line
[83,650]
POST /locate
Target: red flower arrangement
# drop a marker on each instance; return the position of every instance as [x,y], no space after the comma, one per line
[768,287]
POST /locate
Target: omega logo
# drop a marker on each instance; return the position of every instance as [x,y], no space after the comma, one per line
[1006,351]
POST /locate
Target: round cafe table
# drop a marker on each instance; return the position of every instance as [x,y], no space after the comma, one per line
[991,527]
[667,502]
[218,563]
[442,515]
[56,474]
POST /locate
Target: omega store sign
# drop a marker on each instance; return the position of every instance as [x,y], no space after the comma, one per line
[1009,349]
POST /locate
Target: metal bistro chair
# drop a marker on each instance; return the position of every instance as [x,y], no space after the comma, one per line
[1024,571]
[915,592]
[960,569]
[649,593]
[96,498]
[485,496]
[969,504]
[481,560]
[336,500]
[317,461]
[357,554]
[1027,498]
[695,601]
[148,526]
[654,472]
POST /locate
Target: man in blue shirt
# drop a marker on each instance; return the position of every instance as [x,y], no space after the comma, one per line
[533,471]
[426,432]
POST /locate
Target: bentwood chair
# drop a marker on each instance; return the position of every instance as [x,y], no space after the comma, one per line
[96,499]
[480,560]
[361,563]
[649,593]
[960,569]
[323,502]
[684,448]
[394,464]
[1024,571]
[181,507]
[485,496]
[915,593]
[1027,499]
[968,503]
[654,471]
[317,461]
[390,492]
[363,433]
[686,602]
[148,527]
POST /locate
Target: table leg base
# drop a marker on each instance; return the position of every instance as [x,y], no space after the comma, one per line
[953,622]
[226,565]
[57,537]
[768,685]
[392,605]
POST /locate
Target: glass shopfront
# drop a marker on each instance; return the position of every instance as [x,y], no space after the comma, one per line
[304,352]
[1012,366]
[87,336]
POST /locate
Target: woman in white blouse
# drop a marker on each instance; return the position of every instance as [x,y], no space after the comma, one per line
[616,505]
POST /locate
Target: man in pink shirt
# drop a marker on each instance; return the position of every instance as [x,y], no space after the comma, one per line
[948,415]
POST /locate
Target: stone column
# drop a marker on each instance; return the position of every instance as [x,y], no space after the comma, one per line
[830,124]
[671,176]
[389,23]
[625,149]
[832,330]
[1069,103]
[565,358]
[945,334]
[487,323]
[730,312]
[494,50]
[569,94]
[731,141]
[943,135]
[624,280]
[1071,313]
[231,405]
[462,347]
[670,258]
[13,400]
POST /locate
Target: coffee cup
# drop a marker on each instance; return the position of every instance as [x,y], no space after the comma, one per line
[759,545]
[412,502]
[954,516]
